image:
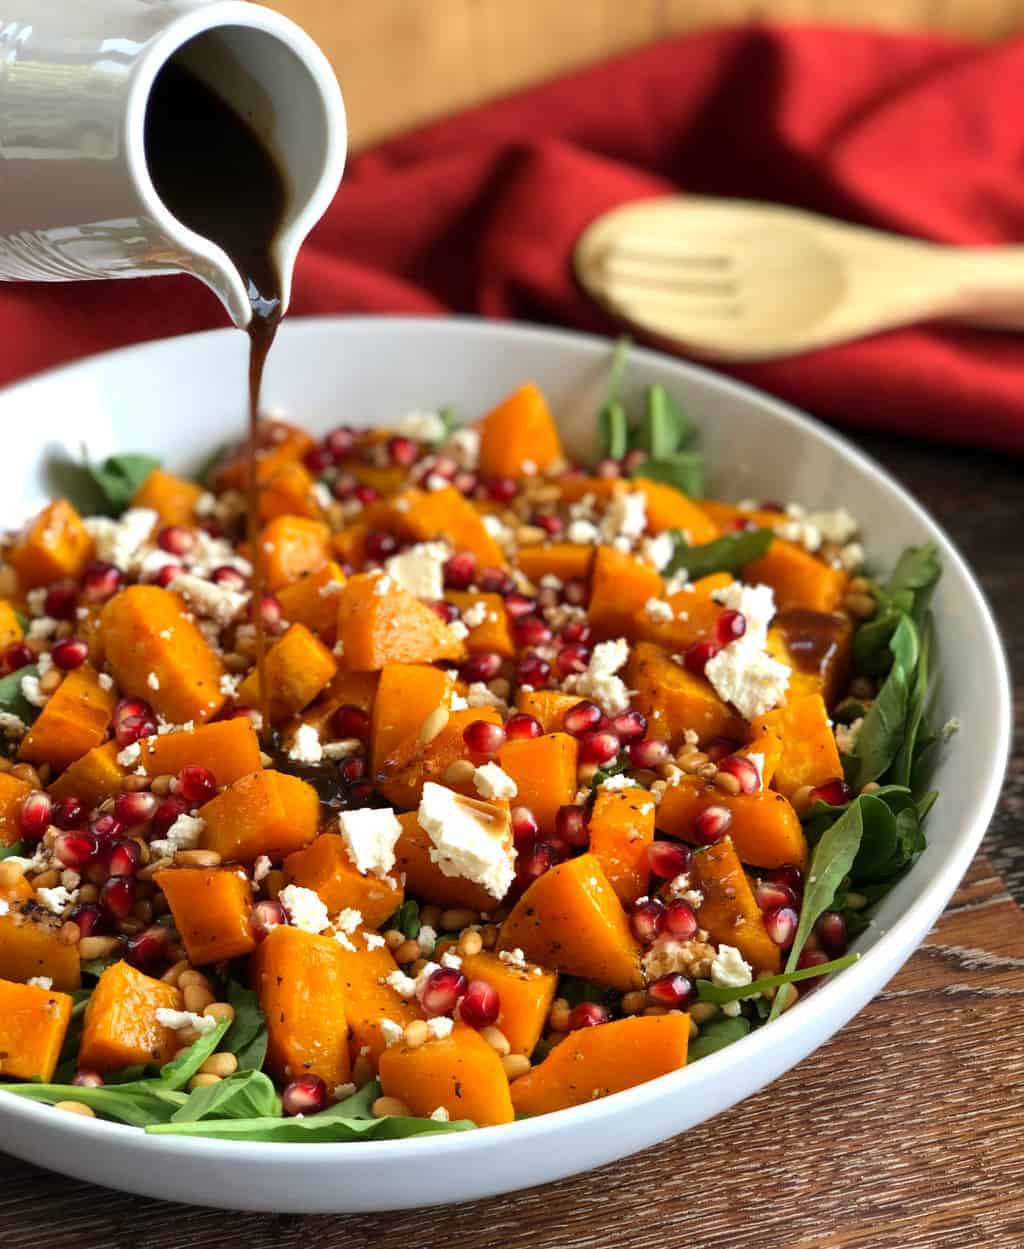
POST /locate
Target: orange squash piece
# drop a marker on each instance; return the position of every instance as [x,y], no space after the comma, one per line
[519,436]
[94,778]
[325,867]
[621,829]
[148,633]
[369,999]
[300,980]
[10,625]
[764,827]
[30,946]
[729,911]
[280,443]
[694,615]
[425,880]
[380,623]
[673,699]
[817,646]
[460,1073]
[493,632]
[547,706]
[312,601]
[406,695]
[172,498]
[526,995]
[74,720]
[728,516]
[33,1022]
[564,560]
[121,1028]
[53,545]
[808,754]
[411,765]
[296,669]
[593,1062]
[621,585]
[666,507]
[292,547]
[12,791]
[799,579]
[544,770]
[212,910]
[448,514]
[230,749]
[353,689]
[569,919]
[288,492]
[265,812]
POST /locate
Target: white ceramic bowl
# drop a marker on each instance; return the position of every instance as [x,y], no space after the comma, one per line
[180,399]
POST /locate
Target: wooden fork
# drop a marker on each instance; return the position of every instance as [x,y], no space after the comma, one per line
[742,281]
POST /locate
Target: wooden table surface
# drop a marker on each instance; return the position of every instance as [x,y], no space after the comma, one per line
[905,1130]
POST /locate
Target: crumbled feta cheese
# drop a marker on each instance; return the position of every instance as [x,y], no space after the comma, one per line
[426,939]
[952,726]
[261,868]
[514,958]
[474,615]
[374,941]
[12,725]
[464,447]
[106,681]
[599,681]
[730,970]
[457,703]
[183,834]
[341,1092]
[153,681]
[440,1115]
[122,542]
[440,1027]
[5,907]
[210,600]
[492,783]
[625,517]
[341,749]
[57,899]
[229,684]
[757,605]
[306,747]
[348,920]
[420,569]
[40,982]
[666,956]
[422,426]
[391,1032]
[836,526]
[305,908]
[450,959]
[469,840]
[459,629]
[757,759]
[36,601]
[43,627]
[608,657]
[129,756]
[370,836]
[619,781]
[846,736]
[748,678]
[583,533]
[178,1019]
[479,695]
[383,585]
[851,556]
[32,693]
[658,610]
[403,985]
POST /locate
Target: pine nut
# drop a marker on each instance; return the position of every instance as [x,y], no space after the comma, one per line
[220,1064]
[634,1002]
[362,1071]
[515,1065]
[431,915]
[655,1010]
[859,585]
[133,784]
[457,918]
[70,934]
[416,1033]
[172,974]
[219,1011]
[151,869]
[190,976]
[500,687]
[694,1030]
[558,1016]
[727,783]
[416,967]
[97,947]
[585,773]
[161,785]
[10,873]
[186,1037]
[143,910]
[801,799]
[393,938]
[46,880]
[203,1079]
[197,858]
[50,682]
[385,1106]
[791,993]
[863,606]
[76,1108]
[197,998]
[458,773]
[470,943]
[496,1039]
[489,936]
[407,952]
[701,1012]
[433,725]
[707,771]
[27,773]
[870,787]
[88,892]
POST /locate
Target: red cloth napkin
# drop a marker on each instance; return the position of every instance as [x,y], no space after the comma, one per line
[479,213]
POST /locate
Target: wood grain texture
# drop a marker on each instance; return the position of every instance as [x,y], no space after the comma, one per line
[401,62]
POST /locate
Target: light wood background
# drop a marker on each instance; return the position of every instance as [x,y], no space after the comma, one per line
[405,61]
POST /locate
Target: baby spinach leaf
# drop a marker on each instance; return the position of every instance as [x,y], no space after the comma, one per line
[118,479]
[127,1103]
[729,553]
[885,725]
[406,919]
[615,767]
[12,700]
[449,419]
[682,469]
[15,850]
[177,1073]
[716,1035]
[916,573]
[575,989]
[246,1038]
[917,695]
[663,428]
[97,966]
[245,1095]
[708,992]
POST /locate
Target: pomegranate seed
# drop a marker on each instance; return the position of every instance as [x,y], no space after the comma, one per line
[739,523]
[494,581]
[465,483]
[364,494]
[271,612]
[176,540]
[647,920]
[744,770]
[17,655]
[834,792]
[501,489]
[730,626]
[552,525]
[124,858]
[770,896]
[538,859]
[75,848]
[265,917]
[483,738]
[212,528]
[443,466]
[136,808]
[340,442]
[70,653]
[668,859]
[305,1096]
[352,769]
[148,949]
[632,460]
[34,815]
[533,670]
[133,719]
[350,721]
[318,460]
[609,468]
[87,917]
[711,824]
[582,719]
[69,813]
[598,748]
[780,923]
[674,992]
[522,726]
[167,811]
[576,631]
[650,753]
[482,667]
[518,605]
[480,1005]
[441,991]
[573,657]
[628,725]
[87,1079]
[361,792]
[524,826]
[587,1015]
[402,452]
[571,825]
[831,933]
[107,827]
[101,581]
[447,612]
[680,920]
[810,958]
[196,784]
[343,487]
[460,570]
[379,544]
[788,875]
[718,748]
[117,897]
[697,656]
[575,591]
[230,578]
[531,631]
[61,600]
[165,576]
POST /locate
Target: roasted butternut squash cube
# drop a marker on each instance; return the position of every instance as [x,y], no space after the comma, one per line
[564,560]
[291,547]
[230,749]
[448,514]
[729,911]
[379,623]
[312,601]
[121,1028]
[74,720]
[300,980]
[53,545]
[665,507]
[406,696]
[460,1073]
[485,617]
[425,880]
[30,945]
[212,910]
[570,920]
[297,668]
[266,812]
[148,633]
[621,829]
[519,437]
[764,827]
[172,498]
[694,615]
[353,689]
[620,587]
[547,706]
[411,764]
[544,770]
[673,699]
[33,1022]
[12,791]
[799,579]
[807,751]
[369,999]
[94,778]
[280,443]
[526,994]
[593,1062]
[325,867]
[817,646]
[288,492]
[10,625]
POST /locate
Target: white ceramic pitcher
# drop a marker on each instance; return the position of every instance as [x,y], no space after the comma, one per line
[76,198]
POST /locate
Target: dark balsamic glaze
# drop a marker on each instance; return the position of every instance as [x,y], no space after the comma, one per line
[812,637]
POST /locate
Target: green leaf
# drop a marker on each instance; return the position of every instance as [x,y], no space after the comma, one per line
[902,766]
[729,553]
[831,861]
[246,1038]
[97,966]
[118,479]
[682,469]
[127,1103]
[885,724]
[916,573]
[449,419]
[406,919]
[177,1073]
[708,992]
[576,990]
[663,428]
[621,763]
[716,1035]
[613,429]
[245,1095]
[16,849]
[12,700]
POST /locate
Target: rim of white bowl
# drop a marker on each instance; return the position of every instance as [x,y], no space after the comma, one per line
[827,1002]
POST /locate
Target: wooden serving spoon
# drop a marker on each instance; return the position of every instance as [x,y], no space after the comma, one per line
[740,280]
